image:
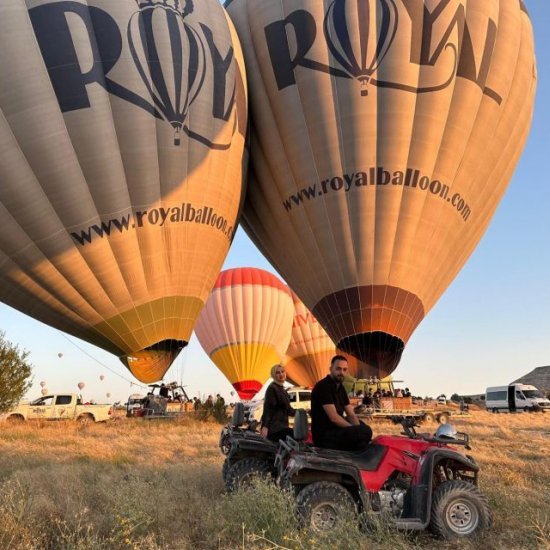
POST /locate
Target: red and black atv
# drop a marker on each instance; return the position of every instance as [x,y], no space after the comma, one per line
[418,480]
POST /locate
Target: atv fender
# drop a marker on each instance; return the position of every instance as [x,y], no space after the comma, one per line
[251,445]
[418,500]
[303,470]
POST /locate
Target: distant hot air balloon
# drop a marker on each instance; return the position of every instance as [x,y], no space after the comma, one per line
[245,326]
[81,385]
[60,355]
[101,377]
[310,350]
[121,199]
[43,383]
[44,391]
[108,395]
[369,205]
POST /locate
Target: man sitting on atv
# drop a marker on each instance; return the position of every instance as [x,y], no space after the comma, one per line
[329,402]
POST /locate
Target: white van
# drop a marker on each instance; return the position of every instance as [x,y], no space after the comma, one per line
[515,397]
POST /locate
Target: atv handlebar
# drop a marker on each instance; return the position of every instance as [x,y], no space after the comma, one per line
[410,422]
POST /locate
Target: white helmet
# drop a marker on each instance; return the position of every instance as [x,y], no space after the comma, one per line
[446,431]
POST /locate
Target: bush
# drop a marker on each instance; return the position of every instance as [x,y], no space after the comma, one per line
[15,372]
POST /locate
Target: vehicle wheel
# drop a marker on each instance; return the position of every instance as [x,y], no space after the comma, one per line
[15,419]
[429,418]
[323,505]
[225,469]
[85,418]
[443,418]
[241,473]
[459,509]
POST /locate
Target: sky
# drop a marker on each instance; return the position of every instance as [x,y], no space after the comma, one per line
[490,327]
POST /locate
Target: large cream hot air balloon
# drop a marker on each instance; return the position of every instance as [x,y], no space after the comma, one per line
[385,134]
[122,133]
[245,326]
[311,350]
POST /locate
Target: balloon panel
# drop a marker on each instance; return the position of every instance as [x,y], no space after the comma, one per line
[122,134]
[311,350]
[377,164]
[245,326]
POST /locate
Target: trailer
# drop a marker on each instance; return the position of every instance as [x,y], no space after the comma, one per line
[404,406]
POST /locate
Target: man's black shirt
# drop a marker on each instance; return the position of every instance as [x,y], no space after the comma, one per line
[326,392]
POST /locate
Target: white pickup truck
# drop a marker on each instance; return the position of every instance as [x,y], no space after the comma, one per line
[58,407]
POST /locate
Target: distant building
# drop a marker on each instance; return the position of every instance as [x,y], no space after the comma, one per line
[540,378]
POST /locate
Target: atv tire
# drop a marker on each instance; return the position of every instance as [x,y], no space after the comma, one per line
[459,509]
[323,505]
[225,469]
[240,474]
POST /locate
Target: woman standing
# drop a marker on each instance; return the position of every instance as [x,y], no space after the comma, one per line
[277,407]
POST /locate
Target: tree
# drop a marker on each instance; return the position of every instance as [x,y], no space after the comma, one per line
[456,398]
[15,373]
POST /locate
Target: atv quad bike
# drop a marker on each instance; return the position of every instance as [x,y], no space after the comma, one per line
[418,480]
[248,454]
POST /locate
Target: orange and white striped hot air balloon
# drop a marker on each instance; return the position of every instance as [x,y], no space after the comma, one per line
[245,326]
[311,349]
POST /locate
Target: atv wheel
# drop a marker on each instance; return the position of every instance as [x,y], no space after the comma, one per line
[459,509]
[443,418]
[428,417]
[225,469]
[323,505]
[240,474]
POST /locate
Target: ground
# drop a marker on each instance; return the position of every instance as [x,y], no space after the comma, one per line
[157,484]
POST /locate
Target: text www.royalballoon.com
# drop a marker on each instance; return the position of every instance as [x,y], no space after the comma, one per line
[379,177]
[161,216]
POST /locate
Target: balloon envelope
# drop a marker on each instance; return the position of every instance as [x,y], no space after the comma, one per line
[311,350]
[81,385]
[43,383]
[44,391]
[121,159]
[245,326]
[384,136]
[101,377]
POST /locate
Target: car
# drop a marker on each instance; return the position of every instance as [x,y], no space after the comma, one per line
[300,398]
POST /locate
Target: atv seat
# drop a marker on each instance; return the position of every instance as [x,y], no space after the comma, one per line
[301,429]
[238,415]
[367,460]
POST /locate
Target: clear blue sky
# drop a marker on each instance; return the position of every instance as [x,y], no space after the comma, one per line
[490,327]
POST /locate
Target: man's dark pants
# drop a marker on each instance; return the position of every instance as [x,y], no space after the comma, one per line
[354,438]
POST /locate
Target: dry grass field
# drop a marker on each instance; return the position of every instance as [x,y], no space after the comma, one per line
[152,485]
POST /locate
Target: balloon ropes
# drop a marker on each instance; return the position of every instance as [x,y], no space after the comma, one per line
[310,350]
[245,326]
[120,199]
[385,133]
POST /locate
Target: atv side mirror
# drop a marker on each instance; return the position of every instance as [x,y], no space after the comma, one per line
[238,415]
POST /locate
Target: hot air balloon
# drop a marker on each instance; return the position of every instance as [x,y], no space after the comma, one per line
[245,326]
[44,391]
[369,205]
[108,395]
[60,355]
[122,164]
[81,385]
[310,350]
[101,377]
[43,384]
